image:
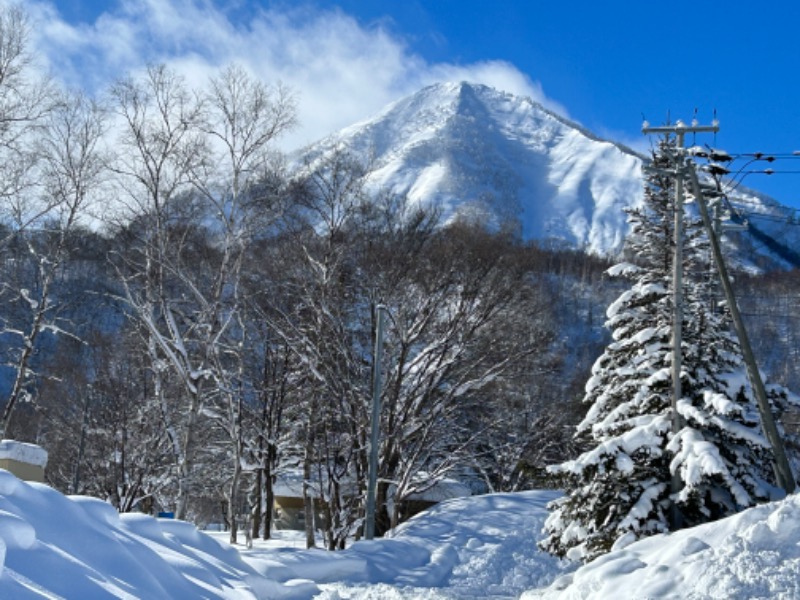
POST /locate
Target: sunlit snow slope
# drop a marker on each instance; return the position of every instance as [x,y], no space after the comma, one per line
[754,554]
[471,149]
[507,160]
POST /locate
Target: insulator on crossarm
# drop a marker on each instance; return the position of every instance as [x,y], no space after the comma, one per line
[715,169]
[697,151]
[719,155]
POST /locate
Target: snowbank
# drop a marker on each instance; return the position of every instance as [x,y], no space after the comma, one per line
[755,554]
[56,546]
[476,547]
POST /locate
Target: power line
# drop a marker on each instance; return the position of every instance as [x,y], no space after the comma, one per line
[725,187]
[771,172]
[757,204]
[715,156]
[768,156]
[751,216]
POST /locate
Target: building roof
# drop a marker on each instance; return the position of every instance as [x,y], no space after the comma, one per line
[30,454]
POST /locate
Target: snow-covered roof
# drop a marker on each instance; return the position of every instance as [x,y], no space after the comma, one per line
[30,454]
[289,483]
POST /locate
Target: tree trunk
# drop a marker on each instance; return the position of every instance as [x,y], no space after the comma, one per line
[382,518]
[232,494]
[308,501]
[256,504]
[186,465]
[269,504]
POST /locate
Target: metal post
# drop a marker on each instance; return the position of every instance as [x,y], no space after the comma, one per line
[679,130]
[676,484]
[375,425]
[783,471]
[677,295]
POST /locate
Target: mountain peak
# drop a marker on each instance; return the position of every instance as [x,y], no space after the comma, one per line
[471,149]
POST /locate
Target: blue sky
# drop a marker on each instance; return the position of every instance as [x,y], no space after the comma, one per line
[603,64]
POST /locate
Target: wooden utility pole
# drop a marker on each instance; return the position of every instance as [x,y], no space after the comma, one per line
[782,468]
[783,471]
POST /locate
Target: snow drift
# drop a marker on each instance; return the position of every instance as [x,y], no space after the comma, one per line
[754,554]
[55,546]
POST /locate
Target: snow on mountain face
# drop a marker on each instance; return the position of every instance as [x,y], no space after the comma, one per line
[475,151]
[506,160]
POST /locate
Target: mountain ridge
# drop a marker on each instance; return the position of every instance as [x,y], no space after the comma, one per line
[508,161]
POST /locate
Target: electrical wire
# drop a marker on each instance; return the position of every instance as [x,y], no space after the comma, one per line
[790,216]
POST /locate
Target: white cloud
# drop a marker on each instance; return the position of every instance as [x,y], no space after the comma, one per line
[342,71]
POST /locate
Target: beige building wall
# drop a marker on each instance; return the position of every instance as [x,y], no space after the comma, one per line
[22,470]
[25,461]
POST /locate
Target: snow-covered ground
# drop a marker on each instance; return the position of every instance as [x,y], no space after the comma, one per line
[477,547]
[54,546]
[752,555]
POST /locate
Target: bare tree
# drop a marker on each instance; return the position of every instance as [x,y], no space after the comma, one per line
[70,171]
[243,119]
[25,100]
[320,320]
[464,320]
[104,439]
[159,150]
[194,168]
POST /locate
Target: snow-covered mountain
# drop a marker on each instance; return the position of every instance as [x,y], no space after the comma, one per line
[507,160]
[470,148]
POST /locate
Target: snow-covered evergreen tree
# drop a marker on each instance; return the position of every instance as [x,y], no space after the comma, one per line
[619,489]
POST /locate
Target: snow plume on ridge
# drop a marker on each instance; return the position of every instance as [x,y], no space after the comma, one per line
[342,70]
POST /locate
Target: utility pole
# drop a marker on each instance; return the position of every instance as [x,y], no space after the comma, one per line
[679,130]
[783,471]
[375,425]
